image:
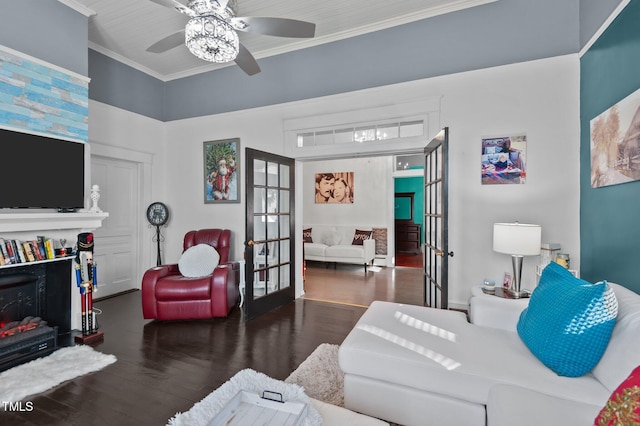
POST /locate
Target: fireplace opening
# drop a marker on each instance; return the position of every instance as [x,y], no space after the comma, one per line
[31,312]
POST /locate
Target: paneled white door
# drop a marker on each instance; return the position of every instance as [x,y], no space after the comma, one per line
[116,249]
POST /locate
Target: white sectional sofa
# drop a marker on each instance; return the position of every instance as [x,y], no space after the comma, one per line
[333,243]
[421,366]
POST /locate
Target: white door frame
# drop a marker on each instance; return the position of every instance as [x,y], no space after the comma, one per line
[144,162]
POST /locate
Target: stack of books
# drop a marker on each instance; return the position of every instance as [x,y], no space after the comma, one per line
[16,251]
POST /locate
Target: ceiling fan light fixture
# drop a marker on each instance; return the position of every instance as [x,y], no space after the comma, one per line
[212,39]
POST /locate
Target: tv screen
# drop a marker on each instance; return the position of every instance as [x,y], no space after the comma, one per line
[41,172]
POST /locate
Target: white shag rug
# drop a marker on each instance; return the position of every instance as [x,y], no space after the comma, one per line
[248,380]
[320,375]
[45,373]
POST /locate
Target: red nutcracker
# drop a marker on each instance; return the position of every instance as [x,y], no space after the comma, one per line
[87,282]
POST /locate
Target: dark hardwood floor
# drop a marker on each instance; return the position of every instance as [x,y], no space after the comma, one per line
[166,367]
[348,284]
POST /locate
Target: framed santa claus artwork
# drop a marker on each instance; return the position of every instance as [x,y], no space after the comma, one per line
[222,171]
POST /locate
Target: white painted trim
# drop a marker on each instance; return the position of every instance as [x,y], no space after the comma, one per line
[73,4]
[111,54]
[604,27]
[44,63]
[43,134]
[121,153]
[35,222]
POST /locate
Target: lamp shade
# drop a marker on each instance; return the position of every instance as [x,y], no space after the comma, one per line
[518,239]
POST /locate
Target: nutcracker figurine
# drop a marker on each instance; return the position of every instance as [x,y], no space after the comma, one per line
[87,282]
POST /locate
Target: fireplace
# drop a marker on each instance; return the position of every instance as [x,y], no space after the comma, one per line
[52,294]
[35,304]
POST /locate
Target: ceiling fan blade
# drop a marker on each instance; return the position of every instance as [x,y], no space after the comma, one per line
[246,61]
[175,4]
[167,43]
[280,27]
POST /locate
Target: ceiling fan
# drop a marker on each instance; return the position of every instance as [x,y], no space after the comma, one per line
[210,33]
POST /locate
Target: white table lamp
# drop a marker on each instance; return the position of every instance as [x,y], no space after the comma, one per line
[518,240]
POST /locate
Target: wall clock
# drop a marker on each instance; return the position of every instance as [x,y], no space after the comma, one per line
[157,215]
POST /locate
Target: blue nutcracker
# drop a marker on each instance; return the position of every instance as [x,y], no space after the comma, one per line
[87,282]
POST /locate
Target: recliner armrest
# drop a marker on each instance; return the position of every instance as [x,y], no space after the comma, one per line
[149,281]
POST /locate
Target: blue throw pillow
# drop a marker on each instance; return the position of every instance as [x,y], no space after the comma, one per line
[568,322]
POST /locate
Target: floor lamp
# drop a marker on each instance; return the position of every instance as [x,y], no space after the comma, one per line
[518,240]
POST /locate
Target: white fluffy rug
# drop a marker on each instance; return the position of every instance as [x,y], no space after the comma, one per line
[45,373]
[248,380]
[320,375]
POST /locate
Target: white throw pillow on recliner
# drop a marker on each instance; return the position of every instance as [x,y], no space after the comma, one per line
[198,261]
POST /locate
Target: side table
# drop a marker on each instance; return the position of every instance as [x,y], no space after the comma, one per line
[492,311]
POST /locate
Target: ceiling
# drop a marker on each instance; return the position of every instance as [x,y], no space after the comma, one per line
[124,29]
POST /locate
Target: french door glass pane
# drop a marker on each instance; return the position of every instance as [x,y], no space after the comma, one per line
[259,200]
[272,174]
[284,226]
[259,169]
[284,201]
[284,176]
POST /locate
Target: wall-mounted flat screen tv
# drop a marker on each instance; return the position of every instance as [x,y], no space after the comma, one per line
[40,171]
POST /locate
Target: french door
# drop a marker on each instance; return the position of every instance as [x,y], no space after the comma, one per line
[269,248]
[436,246]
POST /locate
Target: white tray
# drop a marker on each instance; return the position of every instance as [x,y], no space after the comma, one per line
[249,409]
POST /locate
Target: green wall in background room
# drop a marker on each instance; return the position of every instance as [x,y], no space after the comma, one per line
[609,216]
[413,184]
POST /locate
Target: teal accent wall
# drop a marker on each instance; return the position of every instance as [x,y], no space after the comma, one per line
[415,185]
[609,216]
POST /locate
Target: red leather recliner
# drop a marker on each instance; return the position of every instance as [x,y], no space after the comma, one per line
[167,295]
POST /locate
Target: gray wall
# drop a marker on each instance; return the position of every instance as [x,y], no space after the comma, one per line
[507,31]
[117,84]
[593,13]
[46,30]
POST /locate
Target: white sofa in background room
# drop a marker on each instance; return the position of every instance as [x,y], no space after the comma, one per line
[334,243]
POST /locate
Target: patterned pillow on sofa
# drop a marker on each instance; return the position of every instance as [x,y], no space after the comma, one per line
[568,322]
[359,236]
[623,406]
[306,235]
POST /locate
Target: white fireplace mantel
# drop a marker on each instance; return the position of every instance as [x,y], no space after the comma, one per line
[27,225]
[37,222]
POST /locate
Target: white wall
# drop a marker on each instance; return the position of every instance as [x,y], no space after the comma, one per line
[121,134]
[371,186]
[539,98]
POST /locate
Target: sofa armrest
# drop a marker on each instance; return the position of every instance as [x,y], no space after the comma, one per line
[369,249]
[149,281]
[495,312]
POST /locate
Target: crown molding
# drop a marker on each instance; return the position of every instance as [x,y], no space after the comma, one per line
[73,4]
[604,27]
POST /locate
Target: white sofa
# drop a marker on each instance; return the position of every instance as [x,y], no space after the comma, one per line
[333,243]
[421,366]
